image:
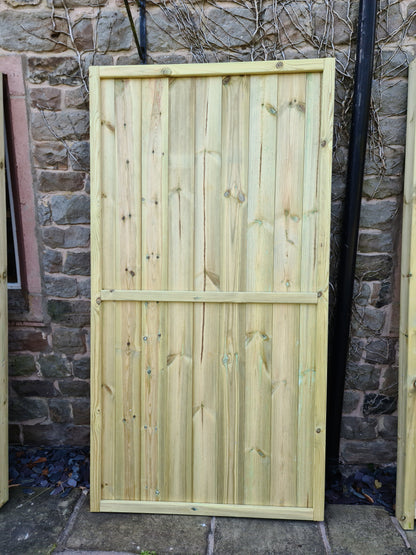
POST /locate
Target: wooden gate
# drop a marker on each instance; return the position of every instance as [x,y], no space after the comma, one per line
[210,234]
[4,455]
[406,454]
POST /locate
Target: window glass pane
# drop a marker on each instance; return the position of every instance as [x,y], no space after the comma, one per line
[13,270]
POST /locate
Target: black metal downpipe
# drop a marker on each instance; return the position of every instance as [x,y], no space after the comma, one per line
[139,40]
[338,350]
[142,30]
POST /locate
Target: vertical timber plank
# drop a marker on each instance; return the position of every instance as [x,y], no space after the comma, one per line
[234,181]
[322,281]
[178,446]
[406,453]
[206,477]
[287,264]
[97,408]
[155,114]
[259,319]
[127,328]
[108,202]
[307,331]
[4,457]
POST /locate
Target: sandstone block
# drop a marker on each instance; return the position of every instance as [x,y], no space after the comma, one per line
[69,341]
[381,242]
[52,261]
[27,339]
[60,411]
[70,209]
[378,215]
[50,155]
[54,366]
[373,267]
[21,3]
[21,365]
[81,411]
[76,236]
[57,70]
[83,33]
[380,351]
[45,98]
[43,210]
[68,124]
[84,288]
[354,427]
[22,31]
[393,129]
[76,98]
[387,427]
[80,156]
[351,401]
[81,368]
[378,451]
[69,313]
[74,388]
[52,181]
[382,187]
[77,263]
[27,409]
[362,376]
[77,436]
[34,388]
[375,403]
[113,32]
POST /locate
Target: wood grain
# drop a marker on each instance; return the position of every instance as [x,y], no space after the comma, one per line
[406,454]
[206,322]
[259,268]
[210,235]
[287,265]
[155,115]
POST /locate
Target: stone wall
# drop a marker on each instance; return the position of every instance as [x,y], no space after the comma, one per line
[57,41]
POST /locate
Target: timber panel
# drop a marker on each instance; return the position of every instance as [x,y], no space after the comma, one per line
[210,246]
[406,455]
[4,455]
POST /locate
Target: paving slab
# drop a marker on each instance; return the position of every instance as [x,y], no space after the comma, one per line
[252,535]
[411,538]
[31,523]
[362,530]
[133,533]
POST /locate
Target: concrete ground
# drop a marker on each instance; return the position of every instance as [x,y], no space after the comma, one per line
[42,524]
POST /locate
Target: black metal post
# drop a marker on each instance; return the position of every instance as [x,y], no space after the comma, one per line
[338,350]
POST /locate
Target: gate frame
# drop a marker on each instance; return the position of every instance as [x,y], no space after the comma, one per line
[406,449]
[326,66]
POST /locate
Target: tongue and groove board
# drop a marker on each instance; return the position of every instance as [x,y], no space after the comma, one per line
[210,200]
[4,455]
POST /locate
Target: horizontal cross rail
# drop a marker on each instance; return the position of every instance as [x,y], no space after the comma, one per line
[209,509]
[211,70]
[211,296]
